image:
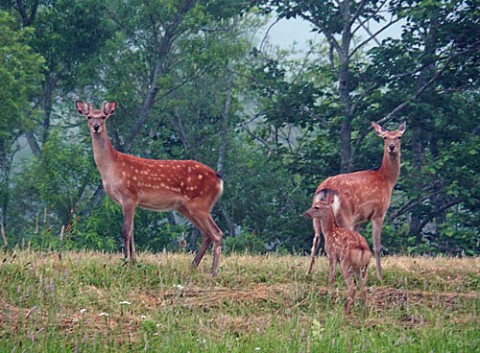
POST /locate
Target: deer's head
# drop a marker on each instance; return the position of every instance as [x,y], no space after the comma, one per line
[392,143]
[322,204]
[96,117]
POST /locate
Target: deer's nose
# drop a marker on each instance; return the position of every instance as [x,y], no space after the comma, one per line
[391,147]
[96,127]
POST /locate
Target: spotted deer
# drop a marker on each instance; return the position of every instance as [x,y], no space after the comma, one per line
[343,246]
[365,195]
[186,186]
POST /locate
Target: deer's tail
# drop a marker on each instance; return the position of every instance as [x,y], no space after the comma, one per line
[360,256]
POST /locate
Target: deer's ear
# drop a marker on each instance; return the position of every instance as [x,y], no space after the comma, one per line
[330,198]
[109,108]
[402,127]
[83,108]
[378,129]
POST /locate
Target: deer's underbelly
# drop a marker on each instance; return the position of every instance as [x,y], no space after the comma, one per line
[353,216]
[370,211]
[159,203]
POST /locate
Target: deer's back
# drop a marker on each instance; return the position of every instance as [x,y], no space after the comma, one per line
[349,245]
[162,185]
[362,196]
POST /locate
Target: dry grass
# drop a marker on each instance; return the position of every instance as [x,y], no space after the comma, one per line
[252,296]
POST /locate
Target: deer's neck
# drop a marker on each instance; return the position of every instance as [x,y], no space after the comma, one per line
[328,224]
[103,152]
[390,168]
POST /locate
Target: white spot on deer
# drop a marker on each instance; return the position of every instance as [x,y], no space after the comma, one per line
[336,204]
[200,176]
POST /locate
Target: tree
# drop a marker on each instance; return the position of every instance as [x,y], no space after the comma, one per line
[19,74]
[431,74]
[66,34]
[339,22]
[423,75]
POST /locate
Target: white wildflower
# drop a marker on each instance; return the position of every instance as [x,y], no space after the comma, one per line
[104,314]
[83,311]
[125,303]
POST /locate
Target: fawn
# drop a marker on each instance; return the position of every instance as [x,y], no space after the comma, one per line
[342,245]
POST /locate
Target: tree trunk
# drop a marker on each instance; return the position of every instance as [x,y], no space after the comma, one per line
[344,90]
[225,125]
[224,144]
[419,122]
[163,48]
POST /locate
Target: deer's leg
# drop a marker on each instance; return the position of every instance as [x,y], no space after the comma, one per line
[127,231]
[207,241]
[315,245]
[363,287]
[217,244]
[211,233]
[133,255]
[347,272]
[333,267]
[377,244]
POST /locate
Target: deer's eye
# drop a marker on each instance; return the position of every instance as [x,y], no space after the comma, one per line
[89,117]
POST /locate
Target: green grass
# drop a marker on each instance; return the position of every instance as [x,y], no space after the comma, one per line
[92,302]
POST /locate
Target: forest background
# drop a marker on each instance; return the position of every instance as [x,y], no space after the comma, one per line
[193,80]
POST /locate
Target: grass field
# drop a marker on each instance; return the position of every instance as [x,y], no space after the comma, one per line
[91,302]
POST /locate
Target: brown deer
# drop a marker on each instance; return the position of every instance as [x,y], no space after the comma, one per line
[365,195]
[342,245]
[188,187]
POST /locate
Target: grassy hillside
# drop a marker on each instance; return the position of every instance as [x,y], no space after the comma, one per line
[91,302]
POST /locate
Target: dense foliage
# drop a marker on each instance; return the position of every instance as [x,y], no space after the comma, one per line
[192,81]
